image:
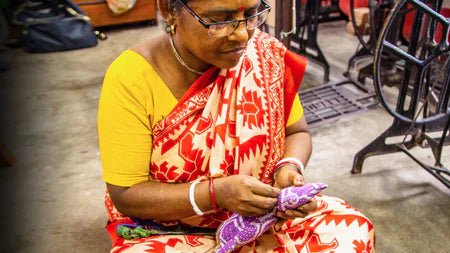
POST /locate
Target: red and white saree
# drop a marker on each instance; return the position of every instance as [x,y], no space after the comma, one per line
[232,121]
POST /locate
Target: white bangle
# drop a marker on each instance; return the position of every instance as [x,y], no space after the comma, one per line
[291,161]
[192,198]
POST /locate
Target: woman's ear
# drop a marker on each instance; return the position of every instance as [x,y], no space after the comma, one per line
[167,11]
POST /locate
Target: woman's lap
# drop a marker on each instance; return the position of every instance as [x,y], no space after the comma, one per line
[166,243]
[334,227]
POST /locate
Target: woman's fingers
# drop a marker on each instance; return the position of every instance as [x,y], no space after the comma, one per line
[263,189]
[265,203]
[263,198]
[245,195]
[301,212]
[296,179]
[252,211]
[311,206]
[288,176]
[277,226]
[291,214]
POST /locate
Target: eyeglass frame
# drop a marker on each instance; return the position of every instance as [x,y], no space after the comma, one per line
[207,25]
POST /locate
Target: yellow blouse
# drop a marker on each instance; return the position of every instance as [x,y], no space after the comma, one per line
[132,101]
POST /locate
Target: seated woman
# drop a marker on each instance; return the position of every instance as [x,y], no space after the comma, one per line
[191,126]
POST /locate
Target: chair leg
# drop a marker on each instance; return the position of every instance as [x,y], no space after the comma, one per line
[6,158]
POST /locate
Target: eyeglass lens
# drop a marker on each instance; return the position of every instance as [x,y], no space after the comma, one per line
[225,29]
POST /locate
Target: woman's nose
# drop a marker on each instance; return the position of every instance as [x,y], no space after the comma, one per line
[240,34]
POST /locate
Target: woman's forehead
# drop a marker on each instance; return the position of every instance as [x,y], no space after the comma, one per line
[222,5]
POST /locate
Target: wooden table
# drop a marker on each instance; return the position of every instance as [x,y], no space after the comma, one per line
[101,15]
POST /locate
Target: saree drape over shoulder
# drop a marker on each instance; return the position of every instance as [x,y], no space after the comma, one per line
[232,121]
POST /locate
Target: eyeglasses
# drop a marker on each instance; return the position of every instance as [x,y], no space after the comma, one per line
[225,28]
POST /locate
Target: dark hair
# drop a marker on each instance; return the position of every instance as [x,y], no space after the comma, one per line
[175,4]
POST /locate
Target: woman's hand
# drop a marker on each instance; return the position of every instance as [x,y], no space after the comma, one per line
[289,176]
[245,195]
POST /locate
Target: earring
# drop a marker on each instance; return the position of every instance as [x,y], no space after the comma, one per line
[170,29]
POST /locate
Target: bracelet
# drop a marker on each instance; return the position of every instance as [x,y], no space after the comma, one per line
[296,163]
[211,192]
[192,198]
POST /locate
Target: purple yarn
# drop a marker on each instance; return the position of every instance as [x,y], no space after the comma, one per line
[239,230]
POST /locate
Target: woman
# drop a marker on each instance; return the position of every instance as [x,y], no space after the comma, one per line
[214,99]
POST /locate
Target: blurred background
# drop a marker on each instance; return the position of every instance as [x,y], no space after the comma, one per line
[376,87]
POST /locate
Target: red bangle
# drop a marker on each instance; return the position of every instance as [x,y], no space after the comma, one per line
[211,192]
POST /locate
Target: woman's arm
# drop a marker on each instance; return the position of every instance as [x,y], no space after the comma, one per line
[298,145]
[298,141]
[164,201]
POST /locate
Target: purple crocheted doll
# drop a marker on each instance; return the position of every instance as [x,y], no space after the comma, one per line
[239,230]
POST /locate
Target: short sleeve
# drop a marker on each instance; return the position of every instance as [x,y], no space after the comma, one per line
[124,128]
[296,111]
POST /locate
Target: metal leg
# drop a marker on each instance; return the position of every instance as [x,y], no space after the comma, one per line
[439,172]
[379,146]
[306,36]
[398,129]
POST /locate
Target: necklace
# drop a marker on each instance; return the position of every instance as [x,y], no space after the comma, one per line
[180,60]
